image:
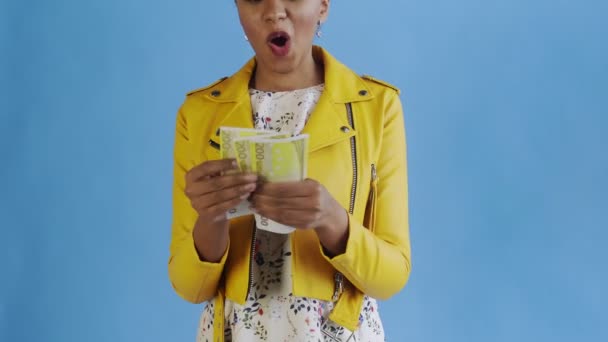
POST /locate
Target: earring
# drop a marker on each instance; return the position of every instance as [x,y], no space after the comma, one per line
[319,33]
[246,38]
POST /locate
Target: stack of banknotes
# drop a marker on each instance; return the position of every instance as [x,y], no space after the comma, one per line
[274,156]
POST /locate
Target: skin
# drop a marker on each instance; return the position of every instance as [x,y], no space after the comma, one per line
[299,19]
[306,204]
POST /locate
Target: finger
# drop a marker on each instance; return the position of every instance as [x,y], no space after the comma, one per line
[296,203]
[304,188]
[215,184]
[212,199]
[219,208]
[210,168]
[289,217]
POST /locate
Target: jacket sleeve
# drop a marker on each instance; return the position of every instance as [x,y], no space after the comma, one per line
[194,280]
[377,261]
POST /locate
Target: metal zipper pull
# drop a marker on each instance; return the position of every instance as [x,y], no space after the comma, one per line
[374,174]
[338,286]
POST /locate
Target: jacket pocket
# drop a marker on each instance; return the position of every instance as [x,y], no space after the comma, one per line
[370,208]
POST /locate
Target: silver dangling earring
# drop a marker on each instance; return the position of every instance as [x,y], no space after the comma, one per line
[246,38]
[319,33]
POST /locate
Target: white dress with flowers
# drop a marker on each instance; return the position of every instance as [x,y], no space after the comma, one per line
[272,312]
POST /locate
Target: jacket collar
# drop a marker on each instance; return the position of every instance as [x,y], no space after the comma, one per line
[346,86]
[328,123]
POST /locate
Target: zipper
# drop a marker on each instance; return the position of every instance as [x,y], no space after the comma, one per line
[214,144]
[338,277]
[374,174]
[372,196]
[251,259]
[353,152]
[370,209]
[339,282]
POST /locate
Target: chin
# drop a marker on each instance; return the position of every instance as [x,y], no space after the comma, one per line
[281,65]
[283,68]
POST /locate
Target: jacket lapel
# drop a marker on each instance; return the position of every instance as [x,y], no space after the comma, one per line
[233,106]
[235,115]
[328,123]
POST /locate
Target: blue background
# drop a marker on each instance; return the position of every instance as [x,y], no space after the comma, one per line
[506,115]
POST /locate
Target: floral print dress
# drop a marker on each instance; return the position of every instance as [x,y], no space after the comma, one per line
[272,312]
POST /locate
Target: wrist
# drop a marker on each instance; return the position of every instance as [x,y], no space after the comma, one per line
[334,221]
[334,233]
[341,218]
[212,223]
[210,239]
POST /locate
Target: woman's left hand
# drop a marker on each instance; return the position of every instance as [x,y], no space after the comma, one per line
[303,204]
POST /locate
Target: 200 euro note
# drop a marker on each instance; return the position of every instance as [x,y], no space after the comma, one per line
[244,149]
[279,160]
[229,134]
[227,137]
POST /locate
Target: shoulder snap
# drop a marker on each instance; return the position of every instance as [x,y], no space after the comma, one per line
[386,84]
[208,86]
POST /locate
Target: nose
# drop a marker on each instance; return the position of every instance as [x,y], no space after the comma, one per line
[274,11]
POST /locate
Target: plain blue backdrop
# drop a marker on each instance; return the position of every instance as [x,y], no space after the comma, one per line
[506,115]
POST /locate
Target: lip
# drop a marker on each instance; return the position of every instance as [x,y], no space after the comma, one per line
[279,51]
[277,34]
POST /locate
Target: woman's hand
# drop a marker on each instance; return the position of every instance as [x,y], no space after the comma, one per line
[213,191]
[305,204]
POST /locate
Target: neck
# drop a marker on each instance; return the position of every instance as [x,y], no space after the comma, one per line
[307,74]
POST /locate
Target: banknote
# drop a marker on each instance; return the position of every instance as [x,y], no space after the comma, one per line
[228,134]
[227,150]
[244,149]
[278,160]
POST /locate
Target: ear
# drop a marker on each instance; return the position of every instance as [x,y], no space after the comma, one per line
[324,12]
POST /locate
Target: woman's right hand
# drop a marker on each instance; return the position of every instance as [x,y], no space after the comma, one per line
[213,189]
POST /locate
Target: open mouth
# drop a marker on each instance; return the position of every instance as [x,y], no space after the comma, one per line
[279,43]
[278,39]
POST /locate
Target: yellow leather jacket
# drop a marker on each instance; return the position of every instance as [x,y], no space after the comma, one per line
[357,151]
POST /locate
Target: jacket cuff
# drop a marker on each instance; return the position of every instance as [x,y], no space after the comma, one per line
[193,279]
[342,262]
[192,254]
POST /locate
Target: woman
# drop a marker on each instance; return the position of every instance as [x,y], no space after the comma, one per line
[352,241]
